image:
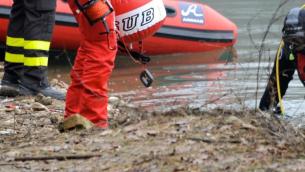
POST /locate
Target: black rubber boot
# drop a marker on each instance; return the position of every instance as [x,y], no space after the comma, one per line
[35,81]
[8,89]
[46,91]
[53,93]
[9,86]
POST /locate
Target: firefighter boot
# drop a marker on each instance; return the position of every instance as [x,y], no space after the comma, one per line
[35,81]
[52,92]
[8,88]
[47,91]
[10,80]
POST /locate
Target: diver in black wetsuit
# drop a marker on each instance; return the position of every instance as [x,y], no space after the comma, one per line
[291,57]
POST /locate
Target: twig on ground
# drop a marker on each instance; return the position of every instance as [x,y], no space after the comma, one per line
[57,157]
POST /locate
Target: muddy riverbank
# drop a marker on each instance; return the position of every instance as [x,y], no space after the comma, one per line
[182,139]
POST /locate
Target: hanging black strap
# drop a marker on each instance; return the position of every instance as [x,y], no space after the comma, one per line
[133,54]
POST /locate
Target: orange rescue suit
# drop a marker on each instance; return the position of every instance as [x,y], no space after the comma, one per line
[87,93]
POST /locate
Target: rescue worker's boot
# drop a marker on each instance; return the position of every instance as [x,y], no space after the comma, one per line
[35,81]
[11,87]
[52,92]
[8,88]
[47,91]
[10,81]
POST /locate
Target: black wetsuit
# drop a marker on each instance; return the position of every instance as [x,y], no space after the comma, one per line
[287,67]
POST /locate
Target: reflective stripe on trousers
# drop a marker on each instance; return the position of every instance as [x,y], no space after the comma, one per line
[27,52]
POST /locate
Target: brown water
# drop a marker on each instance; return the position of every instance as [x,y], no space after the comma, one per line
[213,79]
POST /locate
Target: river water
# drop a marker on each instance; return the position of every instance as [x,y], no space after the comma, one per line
[192,80]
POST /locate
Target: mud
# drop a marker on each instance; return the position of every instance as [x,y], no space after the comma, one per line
[182,139]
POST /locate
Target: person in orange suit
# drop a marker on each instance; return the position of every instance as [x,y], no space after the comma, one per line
[87,93]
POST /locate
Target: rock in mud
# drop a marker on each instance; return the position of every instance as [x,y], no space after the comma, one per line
[7,132]
[39,107]
[43,100]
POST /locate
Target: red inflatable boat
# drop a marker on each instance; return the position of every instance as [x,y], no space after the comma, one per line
[189,27]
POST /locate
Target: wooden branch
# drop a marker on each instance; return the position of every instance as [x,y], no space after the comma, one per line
[56,157]
[210,141]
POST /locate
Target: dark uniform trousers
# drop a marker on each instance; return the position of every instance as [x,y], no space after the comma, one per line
[287,67]
[28,42]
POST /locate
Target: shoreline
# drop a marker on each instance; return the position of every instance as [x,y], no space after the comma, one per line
[182,139]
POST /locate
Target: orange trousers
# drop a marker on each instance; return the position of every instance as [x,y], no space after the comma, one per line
[87,93]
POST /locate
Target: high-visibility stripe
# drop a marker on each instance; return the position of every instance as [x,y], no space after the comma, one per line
[37,45]
[14,42]
[303,6]
[37,61]
[14,58]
